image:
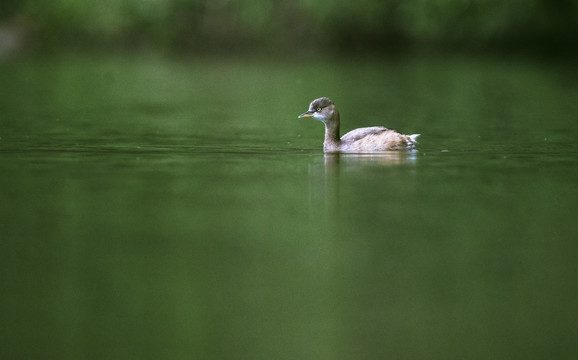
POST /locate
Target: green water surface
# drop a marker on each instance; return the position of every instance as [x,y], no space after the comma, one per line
[158,208]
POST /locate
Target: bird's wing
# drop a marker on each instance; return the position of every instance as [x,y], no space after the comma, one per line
[360,133]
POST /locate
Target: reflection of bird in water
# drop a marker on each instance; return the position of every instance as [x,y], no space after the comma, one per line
[362,160]
[362,140]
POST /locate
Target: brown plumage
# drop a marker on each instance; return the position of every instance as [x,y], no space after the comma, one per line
[362,140]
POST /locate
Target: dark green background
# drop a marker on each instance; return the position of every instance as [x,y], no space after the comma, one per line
[302,26]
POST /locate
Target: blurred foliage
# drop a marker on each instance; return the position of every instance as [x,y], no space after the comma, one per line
[292,24]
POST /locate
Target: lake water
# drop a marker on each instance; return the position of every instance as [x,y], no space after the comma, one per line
[158,208]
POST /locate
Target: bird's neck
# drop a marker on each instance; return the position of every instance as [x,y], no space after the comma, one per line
[332,138]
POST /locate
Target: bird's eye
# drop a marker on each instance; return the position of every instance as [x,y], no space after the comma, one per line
[318,109]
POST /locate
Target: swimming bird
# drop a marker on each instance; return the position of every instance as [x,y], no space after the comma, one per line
[362,140]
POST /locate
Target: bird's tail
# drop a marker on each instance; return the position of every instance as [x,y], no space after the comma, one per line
[414,137]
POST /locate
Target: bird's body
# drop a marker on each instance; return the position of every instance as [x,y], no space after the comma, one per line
[362,140]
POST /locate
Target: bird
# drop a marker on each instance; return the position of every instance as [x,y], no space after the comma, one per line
[363,140]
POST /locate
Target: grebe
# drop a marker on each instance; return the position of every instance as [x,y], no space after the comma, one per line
[362,140]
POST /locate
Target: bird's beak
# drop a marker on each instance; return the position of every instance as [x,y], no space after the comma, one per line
[308,113]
